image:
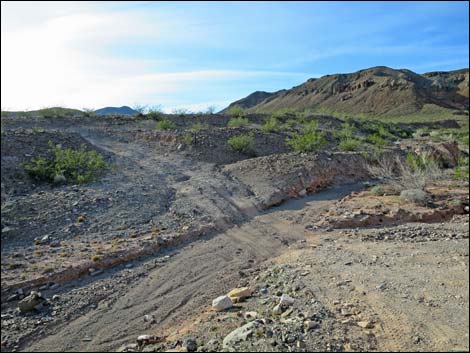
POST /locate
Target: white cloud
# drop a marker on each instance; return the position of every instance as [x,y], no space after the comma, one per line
[59,57]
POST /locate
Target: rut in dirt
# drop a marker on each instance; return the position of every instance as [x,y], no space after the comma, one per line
[199,272]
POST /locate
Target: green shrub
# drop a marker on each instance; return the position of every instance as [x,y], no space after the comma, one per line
[165,125]
[242,143]
[154,112]
[376,139]
[196,127]
[271,124]
[419,163]
[378,190]
[188,139]
[236,111]
[289,124]
[308,142]
[347,131]
[73,166]
[461,172]
[237,122]
[349,144]
[311,126]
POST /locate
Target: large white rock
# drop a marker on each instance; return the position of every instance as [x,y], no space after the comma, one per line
[222,303]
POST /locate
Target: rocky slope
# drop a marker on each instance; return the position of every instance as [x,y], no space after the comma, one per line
[375,91]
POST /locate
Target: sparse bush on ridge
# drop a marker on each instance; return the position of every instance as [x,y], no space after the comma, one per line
[236,111]
[140,108]
[196,127]
[67,165]
[165,125]
[242,143]
[154,112]
[211,109]
[181,111]
[238,122]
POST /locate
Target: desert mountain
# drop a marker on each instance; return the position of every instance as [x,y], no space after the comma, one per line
[376,91]
[124,110]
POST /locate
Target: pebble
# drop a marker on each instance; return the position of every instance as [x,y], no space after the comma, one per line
[149,318]
[365,324]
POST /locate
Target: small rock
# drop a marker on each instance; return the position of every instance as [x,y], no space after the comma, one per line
[190,344]
[286,301]
[146,339]
[381,286]
[149,318]
[239,294]
[54,286]
[222,303]
[80,219]
[59,179]
[365,324]
[95,272]
[277,310]
[286,313]
[30,302]
[310,325]
[251,315]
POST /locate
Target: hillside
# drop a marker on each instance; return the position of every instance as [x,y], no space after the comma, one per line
[375,91]
[124,110]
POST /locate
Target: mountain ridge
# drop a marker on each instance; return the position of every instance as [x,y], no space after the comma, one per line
[378,90]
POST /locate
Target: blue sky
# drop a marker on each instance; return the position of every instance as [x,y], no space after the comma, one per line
[196,54]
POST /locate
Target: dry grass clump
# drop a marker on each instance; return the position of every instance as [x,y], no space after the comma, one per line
[413,173]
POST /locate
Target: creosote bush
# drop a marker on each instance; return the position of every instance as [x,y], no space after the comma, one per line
[461,172]
[238,122]
[236,111]
[165,125]
[271,124]
[67,165]
[310,140]
[349,144]
[242,143]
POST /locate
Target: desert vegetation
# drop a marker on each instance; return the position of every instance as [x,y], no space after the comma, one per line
[242,143]
[67,165]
